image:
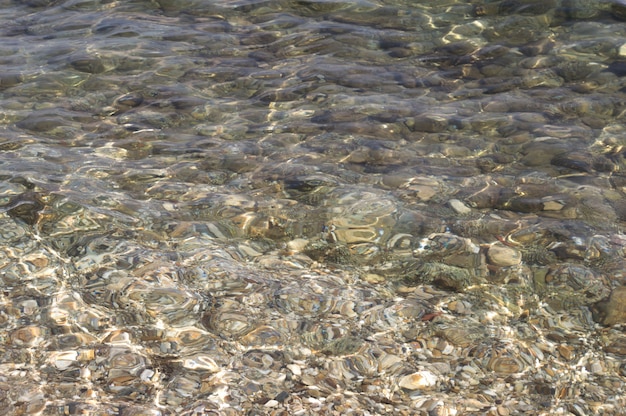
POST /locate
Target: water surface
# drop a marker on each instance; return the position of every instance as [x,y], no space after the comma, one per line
[256,207]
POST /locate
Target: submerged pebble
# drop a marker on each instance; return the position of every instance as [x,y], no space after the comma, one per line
[613,310]
[501,255]
[418,381]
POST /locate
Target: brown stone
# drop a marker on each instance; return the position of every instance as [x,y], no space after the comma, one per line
[503,256]
[617,346]
[613,310]
[430,123]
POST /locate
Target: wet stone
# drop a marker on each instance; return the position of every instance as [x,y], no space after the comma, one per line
[613,310]
[518,30]
[579,9]
[128,101]
[429,123]
[26,207]
[618,9]
[574,70]
[86,63]
[541,151]
[343,346]
[418,381]
[506,365]
[9,80]
[571,285]
[459,207]
[501,255]
[441,275]
[42,122]
[514,7]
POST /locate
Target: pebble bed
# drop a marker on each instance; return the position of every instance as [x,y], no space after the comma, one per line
[312,207]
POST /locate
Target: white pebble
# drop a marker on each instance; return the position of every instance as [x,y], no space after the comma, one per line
[419,380]
[295,369]
[271,403]
[459,206]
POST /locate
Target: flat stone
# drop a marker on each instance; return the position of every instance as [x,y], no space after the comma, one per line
[429,123]
[459,207]
[373,278]
[418,381]
[424,192]
[505,365]
[271,403]
[297,244]
[552,206]
[395,181]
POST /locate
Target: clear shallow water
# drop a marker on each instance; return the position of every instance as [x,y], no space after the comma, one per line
[312,207]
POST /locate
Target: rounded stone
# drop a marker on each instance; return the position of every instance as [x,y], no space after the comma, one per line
[503,256]
[613,310]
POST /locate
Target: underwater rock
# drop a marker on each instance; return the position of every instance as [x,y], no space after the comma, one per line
[613,310]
